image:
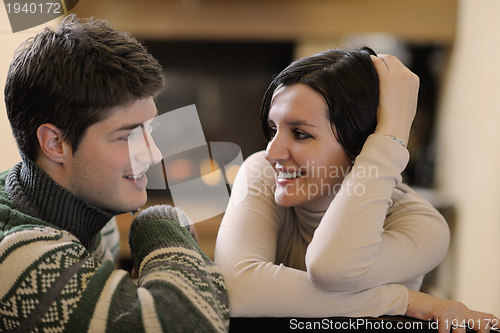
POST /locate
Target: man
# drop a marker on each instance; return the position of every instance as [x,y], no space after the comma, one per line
[80,103]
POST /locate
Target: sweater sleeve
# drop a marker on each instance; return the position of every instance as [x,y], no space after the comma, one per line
[373,234]
[246,251]
[107,242]
[59,286]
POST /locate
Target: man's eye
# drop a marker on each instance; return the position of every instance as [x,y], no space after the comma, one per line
[127,137]
[134,134]
[153,126]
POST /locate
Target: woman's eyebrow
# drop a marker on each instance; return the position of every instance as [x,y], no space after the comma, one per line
[300,123]
[294,123]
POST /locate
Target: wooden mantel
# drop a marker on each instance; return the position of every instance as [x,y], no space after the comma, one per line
[425,21]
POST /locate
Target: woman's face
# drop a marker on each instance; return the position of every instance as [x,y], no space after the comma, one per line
[309,162]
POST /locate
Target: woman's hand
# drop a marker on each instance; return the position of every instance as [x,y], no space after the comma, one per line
[398,97]
[448,314]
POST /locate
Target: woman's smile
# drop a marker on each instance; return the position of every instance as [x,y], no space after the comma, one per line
[302,144]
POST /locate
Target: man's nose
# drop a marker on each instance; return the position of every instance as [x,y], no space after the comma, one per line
[155,153]
[150,154]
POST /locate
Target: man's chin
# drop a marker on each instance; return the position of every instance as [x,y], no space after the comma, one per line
[132,206]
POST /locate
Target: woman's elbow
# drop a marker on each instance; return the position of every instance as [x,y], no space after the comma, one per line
[320,278]
[440,239]
[338,276]
[244,290]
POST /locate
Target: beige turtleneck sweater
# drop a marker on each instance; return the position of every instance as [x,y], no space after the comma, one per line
[356,259]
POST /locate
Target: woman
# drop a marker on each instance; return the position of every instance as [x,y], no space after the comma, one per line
[326,228]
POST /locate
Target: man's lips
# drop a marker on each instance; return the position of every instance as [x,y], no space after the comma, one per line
[134,177]
[137,176]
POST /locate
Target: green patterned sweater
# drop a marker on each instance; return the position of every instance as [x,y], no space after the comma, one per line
[51,279]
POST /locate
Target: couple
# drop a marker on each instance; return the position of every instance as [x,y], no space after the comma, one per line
[80,99]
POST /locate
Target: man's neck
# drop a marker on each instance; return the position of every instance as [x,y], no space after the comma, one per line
[55,170]
[35,193]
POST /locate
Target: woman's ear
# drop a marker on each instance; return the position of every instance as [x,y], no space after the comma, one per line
[52,143]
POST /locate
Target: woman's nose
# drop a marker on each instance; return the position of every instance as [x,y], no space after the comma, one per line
[277,150]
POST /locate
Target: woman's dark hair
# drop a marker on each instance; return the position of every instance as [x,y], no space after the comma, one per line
[349,84]
[72,77]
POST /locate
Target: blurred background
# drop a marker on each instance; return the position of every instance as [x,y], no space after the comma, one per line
[221,55]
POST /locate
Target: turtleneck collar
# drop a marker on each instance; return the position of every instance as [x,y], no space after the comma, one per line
[36,194]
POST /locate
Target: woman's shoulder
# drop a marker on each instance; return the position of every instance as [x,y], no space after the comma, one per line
[257,157]
[405,193]
[406,199]
[257,167]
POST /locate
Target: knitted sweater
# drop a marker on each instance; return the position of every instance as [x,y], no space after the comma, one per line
[50,280]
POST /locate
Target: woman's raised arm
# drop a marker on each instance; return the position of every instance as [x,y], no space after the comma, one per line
[398,97]
[374,233]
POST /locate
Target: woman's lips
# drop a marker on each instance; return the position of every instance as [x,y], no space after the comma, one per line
[289,175]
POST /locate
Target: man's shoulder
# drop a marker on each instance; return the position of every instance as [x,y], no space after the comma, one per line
[12,220]
[3,177]
[35,232]
[5,203]
[4,174]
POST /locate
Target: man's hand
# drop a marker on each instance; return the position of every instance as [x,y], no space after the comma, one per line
[161,212]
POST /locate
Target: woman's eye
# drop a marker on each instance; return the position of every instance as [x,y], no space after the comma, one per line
[272,132]
[299,135]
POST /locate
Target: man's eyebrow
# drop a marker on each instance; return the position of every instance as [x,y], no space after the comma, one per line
[129,127]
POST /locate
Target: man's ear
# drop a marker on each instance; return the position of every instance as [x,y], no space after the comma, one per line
[52,143]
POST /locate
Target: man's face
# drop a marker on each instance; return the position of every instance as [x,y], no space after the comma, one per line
[108,168]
